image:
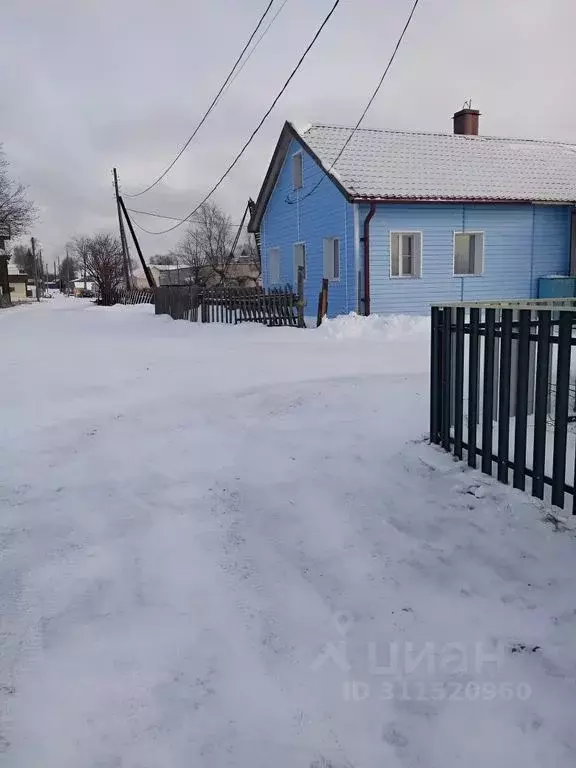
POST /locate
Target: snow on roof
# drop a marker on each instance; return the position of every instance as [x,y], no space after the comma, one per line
[401,164]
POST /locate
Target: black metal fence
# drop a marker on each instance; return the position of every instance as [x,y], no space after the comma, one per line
[503,391]
[278,306]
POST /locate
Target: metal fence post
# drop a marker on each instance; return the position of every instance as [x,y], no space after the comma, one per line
[446,376]
[561,411]
[521,410]
[488,391]
[473,381]
[459,382]
[504,394]
[435,376]
[541,404]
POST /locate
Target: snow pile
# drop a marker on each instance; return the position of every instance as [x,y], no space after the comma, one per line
[389,327]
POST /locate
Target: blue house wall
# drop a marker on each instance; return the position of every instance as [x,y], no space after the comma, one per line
[292,217]
[521,244]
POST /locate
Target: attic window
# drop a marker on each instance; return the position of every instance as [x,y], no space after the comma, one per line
[297,171]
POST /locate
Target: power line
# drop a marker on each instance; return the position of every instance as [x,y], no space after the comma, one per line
[368,105]
[156,215]
[210,108]
[256,44]
[258,127]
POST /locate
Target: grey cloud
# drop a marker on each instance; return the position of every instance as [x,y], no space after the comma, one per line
[92,84]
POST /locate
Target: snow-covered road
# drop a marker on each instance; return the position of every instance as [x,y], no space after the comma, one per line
[229,546]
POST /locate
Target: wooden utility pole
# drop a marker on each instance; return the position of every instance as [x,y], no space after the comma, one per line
[4,279]
[145,267]
[35,266]
[123,241]
[68,274]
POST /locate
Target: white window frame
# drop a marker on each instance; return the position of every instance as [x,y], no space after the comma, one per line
[401,232]
[471,232]
[297,245]
[334,278]
[275,249]
[298,155]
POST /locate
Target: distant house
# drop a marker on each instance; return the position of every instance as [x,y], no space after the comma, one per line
[163,274]
[18,282]
[239,272]
[406,219]
[77,287]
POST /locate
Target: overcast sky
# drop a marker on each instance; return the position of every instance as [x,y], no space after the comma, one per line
[89,84]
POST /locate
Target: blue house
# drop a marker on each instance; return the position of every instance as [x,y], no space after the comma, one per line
[400,220]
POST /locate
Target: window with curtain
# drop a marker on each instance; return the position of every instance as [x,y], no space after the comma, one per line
[405,254]
[274,265]
[332,258]
[468,253]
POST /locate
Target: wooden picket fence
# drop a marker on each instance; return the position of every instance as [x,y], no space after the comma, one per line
[178,301]
[231,305]
[122,296]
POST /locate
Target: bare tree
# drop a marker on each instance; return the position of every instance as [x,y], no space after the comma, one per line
[80,247]
[67,270]
[105,265]
[207,246]
[164,258]
[16,210]
[250,258]
[17,214]
[22,257]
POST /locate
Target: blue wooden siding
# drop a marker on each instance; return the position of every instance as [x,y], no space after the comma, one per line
[552,225]
[291,218]
[521,244]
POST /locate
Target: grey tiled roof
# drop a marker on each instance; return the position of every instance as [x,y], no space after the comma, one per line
[398,164]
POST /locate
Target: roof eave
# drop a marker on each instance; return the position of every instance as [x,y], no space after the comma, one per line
[483,200]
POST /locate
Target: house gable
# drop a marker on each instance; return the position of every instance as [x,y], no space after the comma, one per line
[296,217]
[287,137]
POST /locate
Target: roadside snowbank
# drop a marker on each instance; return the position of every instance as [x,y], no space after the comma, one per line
[354,326]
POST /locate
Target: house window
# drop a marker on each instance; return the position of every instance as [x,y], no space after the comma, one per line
[297,171]
[332,258]
[405,254]
[468,253]
[274,266]
[299,259]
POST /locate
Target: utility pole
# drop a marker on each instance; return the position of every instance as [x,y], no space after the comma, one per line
[41,271]
[145,267]
[33,243]
[123,241]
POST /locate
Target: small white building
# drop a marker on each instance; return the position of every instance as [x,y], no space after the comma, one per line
[18,282]
[77,286]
